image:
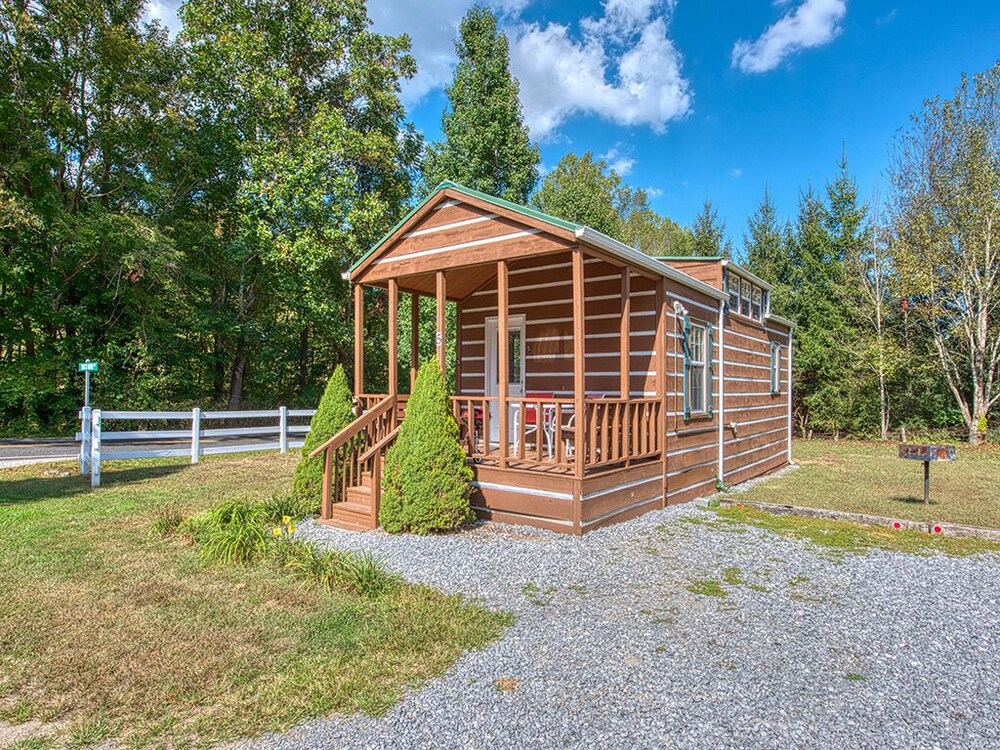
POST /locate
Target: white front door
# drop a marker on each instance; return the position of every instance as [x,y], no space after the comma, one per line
[515,369]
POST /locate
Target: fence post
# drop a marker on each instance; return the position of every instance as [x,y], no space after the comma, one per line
[95,448]
[195,434]
[85,441]
[283,428]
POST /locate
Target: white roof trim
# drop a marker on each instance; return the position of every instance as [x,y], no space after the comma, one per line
[779,320]
[641,260]
[726,263]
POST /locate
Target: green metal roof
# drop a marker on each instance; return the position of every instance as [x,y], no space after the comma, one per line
[687,257]
[493,200]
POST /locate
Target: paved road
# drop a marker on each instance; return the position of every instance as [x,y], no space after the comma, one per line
[19,452]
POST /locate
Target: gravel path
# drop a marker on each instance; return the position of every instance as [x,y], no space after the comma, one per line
[612,650]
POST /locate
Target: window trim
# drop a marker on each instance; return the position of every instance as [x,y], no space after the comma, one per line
[689,368]
[775,369]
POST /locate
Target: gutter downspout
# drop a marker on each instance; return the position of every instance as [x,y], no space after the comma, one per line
[722,391]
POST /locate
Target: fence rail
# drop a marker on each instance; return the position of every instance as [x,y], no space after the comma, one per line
[92,434]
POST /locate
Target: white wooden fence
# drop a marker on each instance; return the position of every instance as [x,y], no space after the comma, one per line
[92,435]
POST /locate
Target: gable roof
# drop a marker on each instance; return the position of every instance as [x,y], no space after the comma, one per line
[583,234]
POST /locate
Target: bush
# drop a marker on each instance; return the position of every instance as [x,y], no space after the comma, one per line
[426,481]
[332,415]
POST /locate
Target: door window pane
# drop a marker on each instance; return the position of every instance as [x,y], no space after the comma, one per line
[514,354]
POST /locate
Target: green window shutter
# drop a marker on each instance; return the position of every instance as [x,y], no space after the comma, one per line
[710,366]
[687,367]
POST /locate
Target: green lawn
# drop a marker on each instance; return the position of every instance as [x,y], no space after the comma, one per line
[868,478]
[109,629]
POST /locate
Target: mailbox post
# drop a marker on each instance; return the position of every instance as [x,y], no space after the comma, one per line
[927,453]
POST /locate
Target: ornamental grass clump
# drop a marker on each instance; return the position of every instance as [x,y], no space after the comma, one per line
[332,415]
[426,482]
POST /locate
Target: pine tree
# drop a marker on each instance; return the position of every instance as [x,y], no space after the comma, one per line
[332,415]
[709,231]
[486,143]
[426,483]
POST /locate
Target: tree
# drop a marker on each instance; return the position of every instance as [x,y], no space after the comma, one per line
[332,415]
[646,230]
[766,250]
[426,482]
[486,144]
[584,190]
[946,213]
[709,233]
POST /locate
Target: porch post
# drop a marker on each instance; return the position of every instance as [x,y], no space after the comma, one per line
[393,337]
[661,377]
[359,340]
[503,358]
[625,364]
[579,381]
[624,343]
[414,338]
[439,336]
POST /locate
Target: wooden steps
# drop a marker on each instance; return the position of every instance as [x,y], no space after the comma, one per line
[355,512]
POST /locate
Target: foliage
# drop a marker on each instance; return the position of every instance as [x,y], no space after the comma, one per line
[181,209]
[946,185]
[332,415]
[486,143]
[426,482]
[587,191]
[709,233]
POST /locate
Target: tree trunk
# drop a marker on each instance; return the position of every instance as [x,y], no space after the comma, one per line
[240,364]
[219,367]
[303,359]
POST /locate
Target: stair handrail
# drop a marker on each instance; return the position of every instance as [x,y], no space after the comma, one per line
[379,446]
[361,423]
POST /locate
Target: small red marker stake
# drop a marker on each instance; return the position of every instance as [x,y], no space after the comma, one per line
[897,525]
[937,529]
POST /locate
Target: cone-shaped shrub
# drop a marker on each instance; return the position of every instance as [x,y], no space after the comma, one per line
[426,481]
[332,415]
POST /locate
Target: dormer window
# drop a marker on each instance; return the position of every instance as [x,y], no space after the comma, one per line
[755,306]
[743,297]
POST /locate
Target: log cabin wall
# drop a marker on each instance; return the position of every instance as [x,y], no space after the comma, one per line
[692,444]
[756,421]
[541,290]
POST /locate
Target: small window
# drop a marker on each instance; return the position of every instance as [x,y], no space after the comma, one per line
[766,305]
[755,308]
[775,369]
[747,294]
[733,290]
[697,369]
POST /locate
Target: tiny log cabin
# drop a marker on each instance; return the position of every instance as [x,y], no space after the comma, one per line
[593,382]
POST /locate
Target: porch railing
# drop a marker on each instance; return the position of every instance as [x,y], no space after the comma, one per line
[542,431]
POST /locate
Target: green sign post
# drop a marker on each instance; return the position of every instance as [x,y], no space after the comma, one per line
[86,368]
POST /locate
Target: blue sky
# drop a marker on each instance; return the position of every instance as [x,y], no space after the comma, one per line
[711,97]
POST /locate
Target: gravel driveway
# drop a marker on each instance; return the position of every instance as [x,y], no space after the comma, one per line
[611,649]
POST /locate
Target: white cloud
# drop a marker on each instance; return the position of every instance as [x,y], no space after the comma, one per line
[433,27]
[812,24]
[619,162]
[654,192]
[164,11]
[623,68]
[736,172]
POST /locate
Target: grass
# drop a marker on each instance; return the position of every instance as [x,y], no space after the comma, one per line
[843,536]
[708,587]
[116,627]
[862,477]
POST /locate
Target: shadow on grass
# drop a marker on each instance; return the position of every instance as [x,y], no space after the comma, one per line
[39,488]
[912,500]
